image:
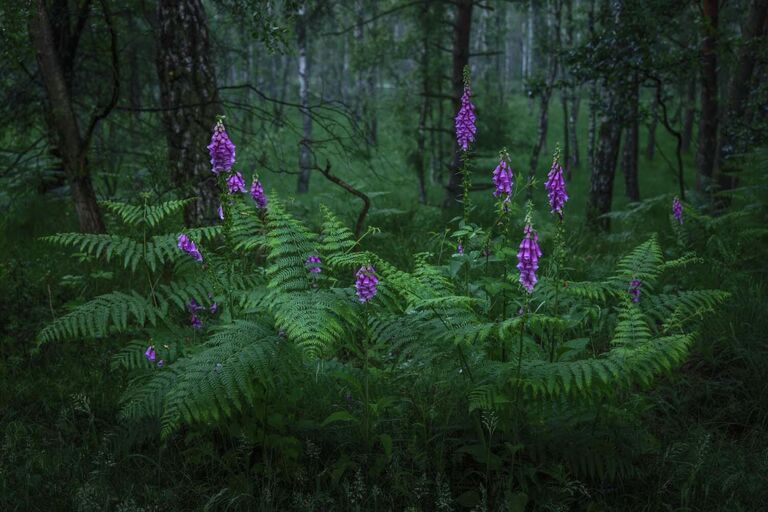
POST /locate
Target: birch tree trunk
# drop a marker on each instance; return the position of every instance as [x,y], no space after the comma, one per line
[190,101]
[305,149]
[707,150]
[631,143]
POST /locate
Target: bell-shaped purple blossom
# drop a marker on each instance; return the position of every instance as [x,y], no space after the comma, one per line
[189,247]
[161,363]
[150,353]
[313,263]
[257,193]
[677,210]
[459,248]
[465,120]
[213,308]
[235,183]
[555,186]
[634,289]
[221,212]
[221,149]
[528,258]
[502,179]
[365,283]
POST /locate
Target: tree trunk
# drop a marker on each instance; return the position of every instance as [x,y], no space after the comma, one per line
[689,117]
[461,33]
[69,141]
[734,139]
[603,173]
[631,144]
[707,150]
[190,100]
[650,147]
[305,149]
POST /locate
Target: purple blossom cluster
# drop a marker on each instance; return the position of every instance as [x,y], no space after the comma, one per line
[235,183]
[313,263]
[189,247]
[257,193]
[151,355]
[465,120]
[365,283]
[634,289]
[555,186]
[528,258]
[459,248]
[677,210]
[502,179]
[194,308]
[221,149]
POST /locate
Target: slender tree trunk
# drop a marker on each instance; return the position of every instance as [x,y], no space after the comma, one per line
[650,147]
[72,148]
[735,136]
[461,33]
[603,172]
[305,149]
[689,116]
[190,102]
[592,126]
[707,150]
[631,144]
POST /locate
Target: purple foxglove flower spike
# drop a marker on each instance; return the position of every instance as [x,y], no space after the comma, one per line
[150,353]
[677,210]
[634,289]
[313,263]
[465,119]
[236,183]
[459,248]
[195,321]
[257,193]
[555,186]
[502,179]
[221,149]
[189,247]
[365,283]
[528,258]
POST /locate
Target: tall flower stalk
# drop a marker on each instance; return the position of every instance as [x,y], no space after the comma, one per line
[465,135]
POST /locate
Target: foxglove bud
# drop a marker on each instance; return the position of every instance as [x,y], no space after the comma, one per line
[257,193]
[189,247]
[221,149]
[366,282]
[528,258]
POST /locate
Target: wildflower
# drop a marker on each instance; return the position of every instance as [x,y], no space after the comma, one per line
[236,183]
[189,247]
[313,263]
[193,306]
[221,149]
[214,308]
[555,186]
[366,282]
[459,248]
[195,321]
[150,353]
[161,363]
[465,120]
[677,210]
[502,179]
[634,289]
[528,258]
[221,212]
[257,193]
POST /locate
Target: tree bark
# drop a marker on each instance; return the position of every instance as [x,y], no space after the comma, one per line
[650,147]
[461,33]
[305,149]
[190,100]
[707,150]
[734,138]
[631,144]
[603,173]
[689,117]
[72,146]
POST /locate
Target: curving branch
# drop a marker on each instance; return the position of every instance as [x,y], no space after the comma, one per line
[352,190]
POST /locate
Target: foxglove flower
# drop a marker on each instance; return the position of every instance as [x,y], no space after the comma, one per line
[677,210]
[236,183]
[502,179]
[528,258]
[221,149]
[195,321]
[313,263]
[150,353]
[257,193]
[189,247]
[193,306]
[555,186]
[221,212]
[366,282]
[634,289]
[214,308]
[465,120]
[161,363]
[459,248]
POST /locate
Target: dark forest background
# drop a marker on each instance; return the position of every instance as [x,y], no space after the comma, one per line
[350,106]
